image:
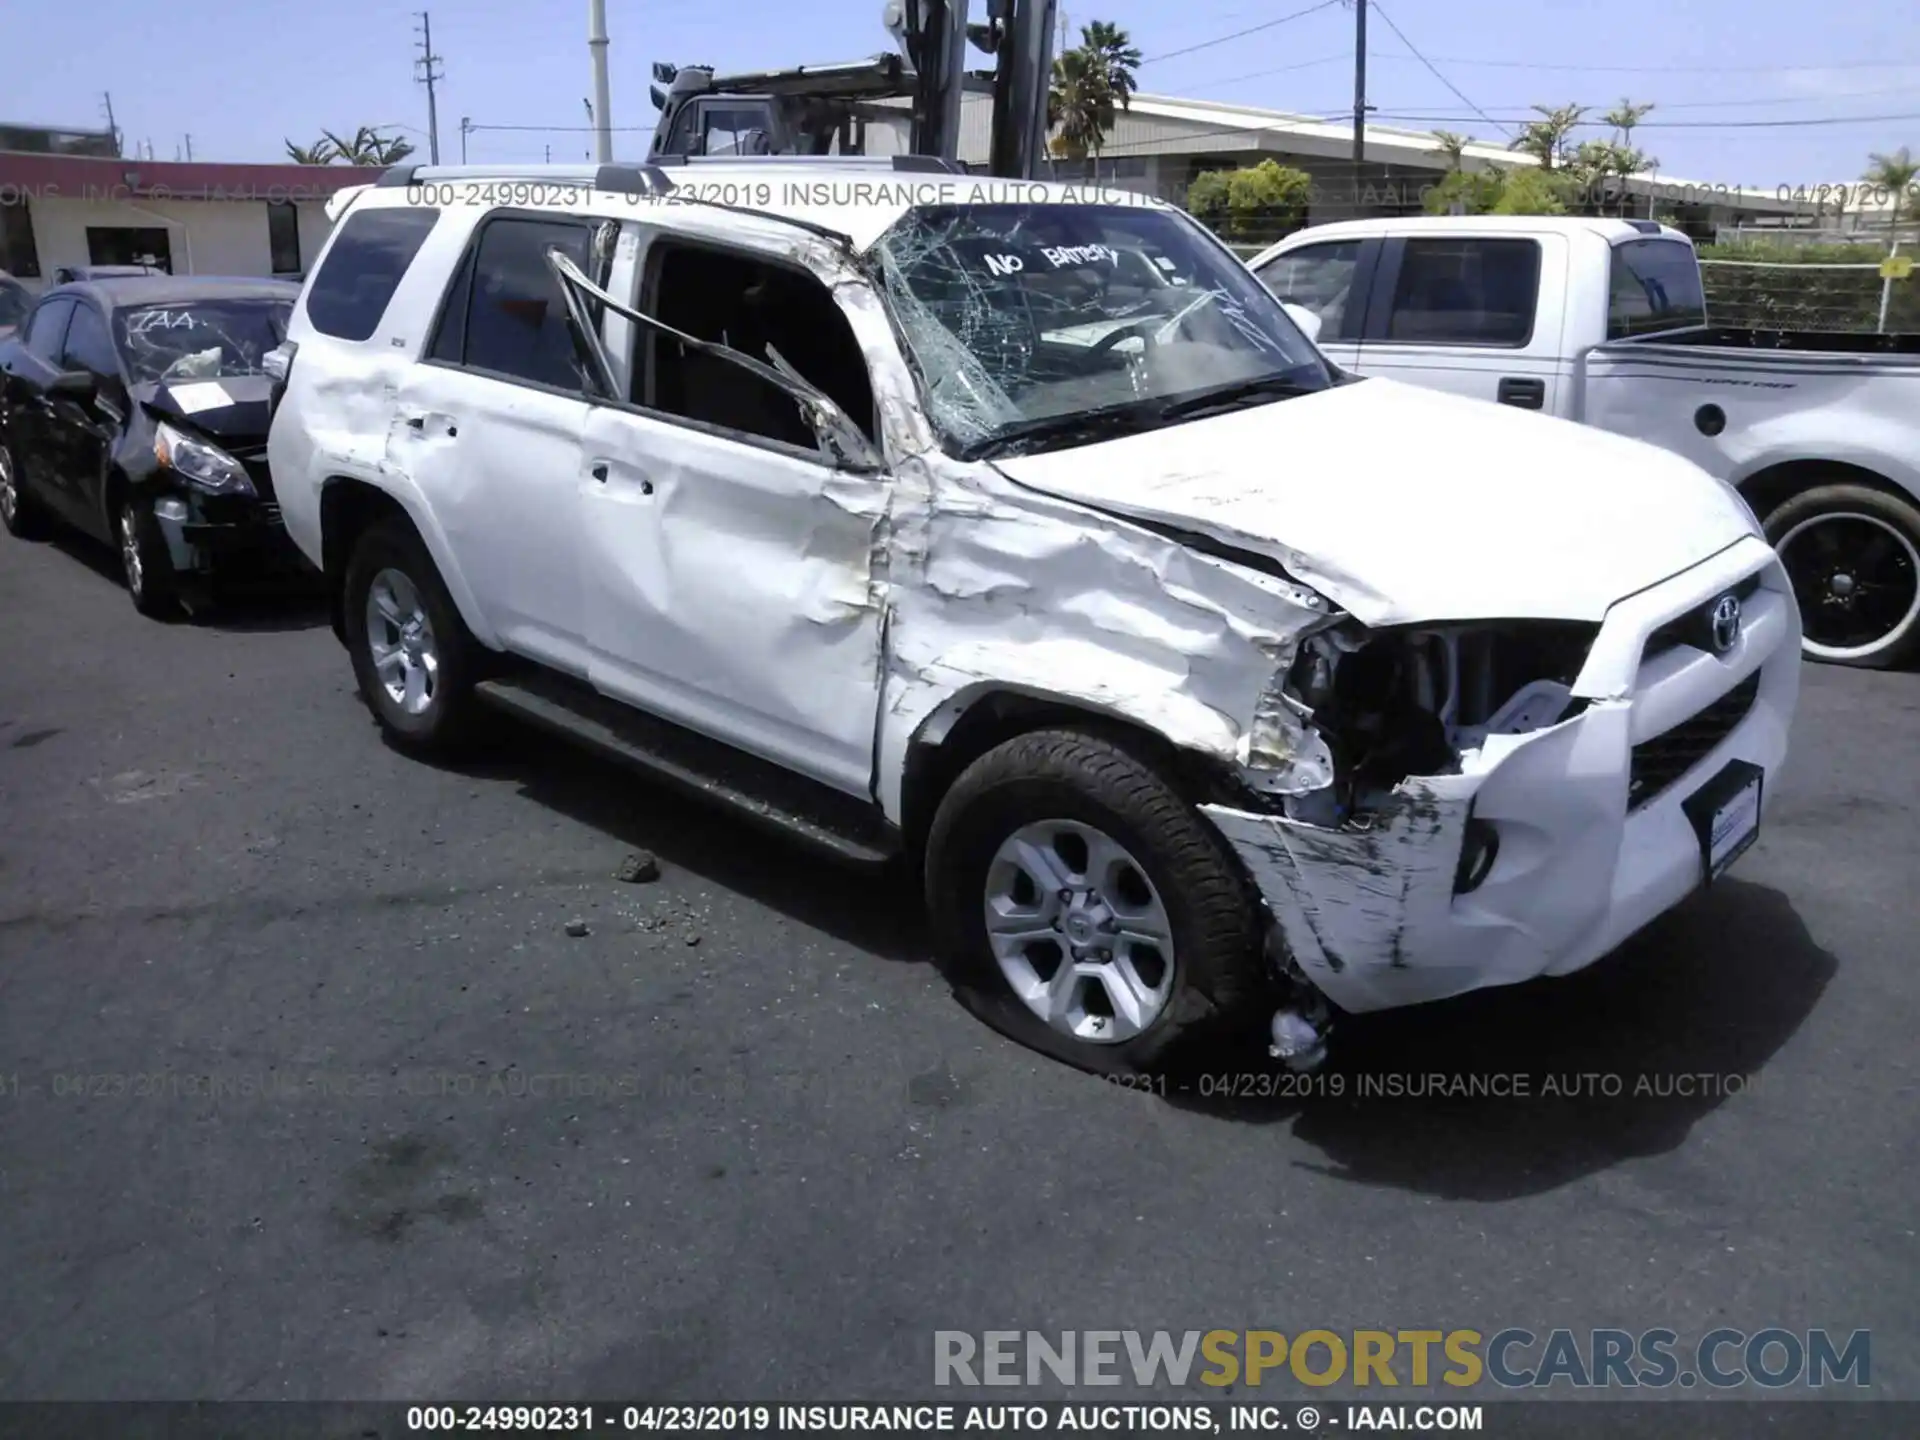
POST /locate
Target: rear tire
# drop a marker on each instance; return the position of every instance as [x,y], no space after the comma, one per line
[1853,555]
[1084,854]
[19,511]
[414,659]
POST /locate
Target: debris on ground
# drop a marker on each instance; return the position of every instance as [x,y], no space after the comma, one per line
[639,868]
[577,929]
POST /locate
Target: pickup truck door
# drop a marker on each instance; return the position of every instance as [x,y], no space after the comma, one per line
[1475,314]
[727,562]
[1331,279]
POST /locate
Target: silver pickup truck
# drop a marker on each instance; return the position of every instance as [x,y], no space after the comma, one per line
[1605,322]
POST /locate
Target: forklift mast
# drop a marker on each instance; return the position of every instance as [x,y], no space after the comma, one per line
[824,109]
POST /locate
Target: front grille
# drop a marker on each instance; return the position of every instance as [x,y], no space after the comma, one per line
[1660,761]
[270,514]
[1694,628]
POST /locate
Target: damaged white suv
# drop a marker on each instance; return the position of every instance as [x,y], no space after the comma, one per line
[1027,536]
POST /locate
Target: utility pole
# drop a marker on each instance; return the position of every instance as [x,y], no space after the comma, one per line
[602,107]
[189,149]
[428,74]
[106,98]
[466,129]
[1359,93]
[549,154]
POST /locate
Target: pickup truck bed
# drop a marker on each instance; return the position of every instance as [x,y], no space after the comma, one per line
[1605,322]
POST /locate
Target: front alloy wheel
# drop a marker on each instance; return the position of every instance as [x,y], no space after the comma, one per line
[1080,934]
[144,564]
[17,511]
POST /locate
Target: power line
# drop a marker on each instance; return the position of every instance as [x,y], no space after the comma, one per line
[1336,118]
[1241,34]
[1674,69]
[1415,51]
[1702,124]
[1342,57]
[1662,106]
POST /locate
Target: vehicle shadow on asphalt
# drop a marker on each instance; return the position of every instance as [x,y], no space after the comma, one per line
[877,911]
[1519,1090]
[263,605]
[1491,1096]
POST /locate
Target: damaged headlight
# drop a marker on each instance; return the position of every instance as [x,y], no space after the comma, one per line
[199,463]
[1358,711]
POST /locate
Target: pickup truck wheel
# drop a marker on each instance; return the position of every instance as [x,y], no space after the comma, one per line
[1073,887]
[412,655]
[1852,554]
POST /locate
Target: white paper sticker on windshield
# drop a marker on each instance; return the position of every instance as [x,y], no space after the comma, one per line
[201,395]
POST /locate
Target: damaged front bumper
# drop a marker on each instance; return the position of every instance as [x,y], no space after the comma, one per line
[1547,849]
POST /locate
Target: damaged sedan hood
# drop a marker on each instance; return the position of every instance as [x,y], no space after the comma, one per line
[231,410]
[1407,505]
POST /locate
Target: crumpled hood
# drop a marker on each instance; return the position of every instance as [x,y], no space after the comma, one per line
[232,410]
[1407,505]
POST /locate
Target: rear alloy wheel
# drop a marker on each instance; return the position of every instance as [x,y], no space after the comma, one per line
[414,658]
[1852,554]
[17,510]
[144,563]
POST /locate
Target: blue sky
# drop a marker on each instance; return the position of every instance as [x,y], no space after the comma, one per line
[239,78]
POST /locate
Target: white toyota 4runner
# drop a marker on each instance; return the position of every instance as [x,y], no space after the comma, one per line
[1024,534]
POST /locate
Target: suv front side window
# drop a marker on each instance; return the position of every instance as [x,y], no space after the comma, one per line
[1319,279]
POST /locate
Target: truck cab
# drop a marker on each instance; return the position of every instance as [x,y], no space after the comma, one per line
[1605,322]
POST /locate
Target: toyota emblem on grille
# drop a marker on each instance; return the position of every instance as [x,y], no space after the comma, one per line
[1726,623]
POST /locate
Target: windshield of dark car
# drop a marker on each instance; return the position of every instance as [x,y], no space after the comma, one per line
[1017,313]
[199,339]
[14,303]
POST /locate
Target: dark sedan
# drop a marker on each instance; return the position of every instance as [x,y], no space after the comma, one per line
[135,410]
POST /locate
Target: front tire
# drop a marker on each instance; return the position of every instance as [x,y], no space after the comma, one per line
[19,511]
[412,654]
[1111,925]
[1853,555]
[146,567]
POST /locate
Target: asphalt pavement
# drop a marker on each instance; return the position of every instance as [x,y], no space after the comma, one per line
[306,1090]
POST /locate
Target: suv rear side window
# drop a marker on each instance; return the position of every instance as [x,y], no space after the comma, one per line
[1466,292]
[505,312]
[363,269]
[1655,286]
[1319,278]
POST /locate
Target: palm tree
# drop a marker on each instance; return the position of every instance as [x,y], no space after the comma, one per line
[1546,138]
[1091,82]
[369,147]
[1627,160]
[1119,59]
[1454,148]
[321,152]
[1079,104]
[1897,172]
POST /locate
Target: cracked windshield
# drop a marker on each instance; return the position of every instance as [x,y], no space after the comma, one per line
[205,340]
[1040,326]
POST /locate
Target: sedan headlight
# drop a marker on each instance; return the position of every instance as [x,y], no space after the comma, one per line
[198,463]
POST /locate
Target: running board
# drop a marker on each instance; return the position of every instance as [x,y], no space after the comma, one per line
[828,820]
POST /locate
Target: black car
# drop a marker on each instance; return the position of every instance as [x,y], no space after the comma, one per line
[136,411]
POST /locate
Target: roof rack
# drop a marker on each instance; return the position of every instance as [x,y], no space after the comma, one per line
[624,179]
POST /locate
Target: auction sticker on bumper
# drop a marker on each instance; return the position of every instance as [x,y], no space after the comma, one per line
[1726,815]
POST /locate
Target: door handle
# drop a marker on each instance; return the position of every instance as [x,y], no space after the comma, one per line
[599,472]
[1527,394]
[417,422]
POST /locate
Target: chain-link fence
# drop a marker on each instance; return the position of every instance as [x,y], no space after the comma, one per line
[1804,287]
